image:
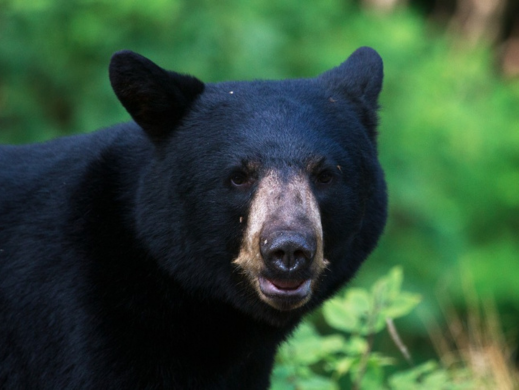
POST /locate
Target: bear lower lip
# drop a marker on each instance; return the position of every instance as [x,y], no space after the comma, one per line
[286,288]
[286,284]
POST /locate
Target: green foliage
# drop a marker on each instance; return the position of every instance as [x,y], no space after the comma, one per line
[345,359]
[362,312]
[429,376]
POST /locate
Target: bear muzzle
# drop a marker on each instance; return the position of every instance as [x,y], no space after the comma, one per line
[282,248]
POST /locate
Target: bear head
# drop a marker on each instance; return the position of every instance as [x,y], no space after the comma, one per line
[264,195]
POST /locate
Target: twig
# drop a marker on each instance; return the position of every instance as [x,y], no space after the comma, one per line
[398,341]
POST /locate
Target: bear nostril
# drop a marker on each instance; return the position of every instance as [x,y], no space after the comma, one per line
[302,254]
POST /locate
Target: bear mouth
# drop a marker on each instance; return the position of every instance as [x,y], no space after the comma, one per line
[285,294]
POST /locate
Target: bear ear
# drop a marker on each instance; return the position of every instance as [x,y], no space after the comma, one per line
[155,98]
[359,78]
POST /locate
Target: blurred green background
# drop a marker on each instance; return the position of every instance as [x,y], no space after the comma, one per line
[449,135]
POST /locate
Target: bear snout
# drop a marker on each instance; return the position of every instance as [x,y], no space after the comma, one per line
[282,248]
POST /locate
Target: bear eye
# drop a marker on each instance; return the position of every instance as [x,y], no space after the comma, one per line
[325,177]
[239,179]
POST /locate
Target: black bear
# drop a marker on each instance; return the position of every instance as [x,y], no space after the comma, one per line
[177,251]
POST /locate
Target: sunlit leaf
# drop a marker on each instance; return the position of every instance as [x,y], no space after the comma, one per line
[356,346]
[340,315]
[401,305]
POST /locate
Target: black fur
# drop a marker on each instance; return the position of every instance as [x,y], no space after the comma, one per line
[116,247]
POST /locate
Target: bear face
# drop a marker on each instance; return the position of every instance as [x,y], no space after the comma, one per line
[277,183]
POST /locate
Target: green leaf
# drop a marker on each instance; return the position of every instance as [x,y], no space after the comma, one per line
[339,315]
[316,382]
[331,344]
[394,280]
[307,347]
[388,287]
[356,346]
[401,305]
[349,313]
[359,301]
[343,365]
[282,378]
[407,380]
[373,374]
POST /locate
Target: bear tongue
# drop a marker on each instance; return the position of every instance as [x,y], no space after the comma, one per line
[286,284]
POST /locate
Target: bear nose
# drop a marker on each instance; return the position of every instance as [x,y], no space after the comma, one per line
[287,251]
